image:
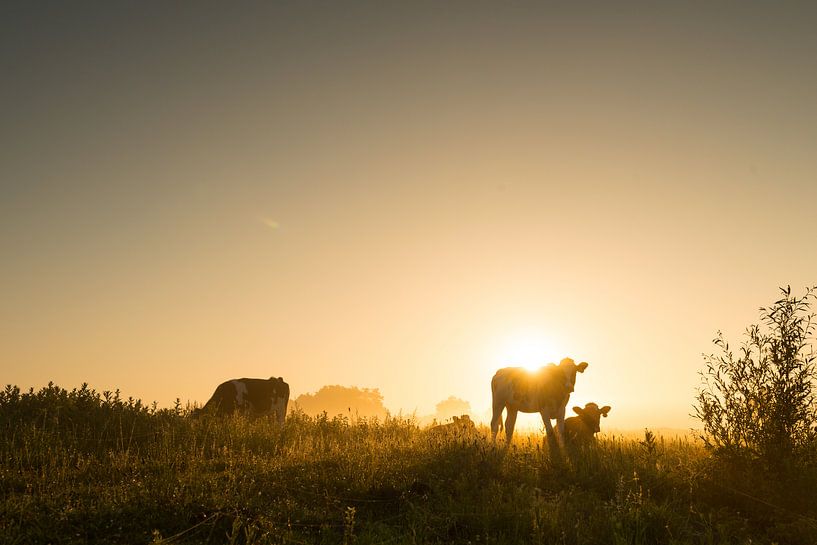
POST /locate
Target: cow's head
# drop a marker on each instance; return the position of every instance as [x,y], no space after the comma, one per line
[280,387]
[569,368]
[591,415]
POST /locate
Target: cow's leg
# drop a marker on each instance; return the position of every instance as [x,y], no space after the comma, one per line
[496,421]
[554,437]
[560,423]
[548,426]
[510,422]
[279,409]
[282,416]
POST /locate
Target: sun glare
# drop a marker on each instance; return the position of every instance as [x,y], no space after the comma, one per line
[528,350]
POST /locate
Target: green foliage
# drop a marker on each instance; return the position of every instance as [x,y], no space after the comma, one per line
[759,405]
[79,467]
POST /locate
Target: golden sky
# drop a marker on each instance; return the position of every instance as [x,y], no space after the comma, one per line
[405,196]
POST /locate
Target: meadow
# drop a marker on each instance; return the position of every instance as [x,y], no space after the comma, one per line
[86,467]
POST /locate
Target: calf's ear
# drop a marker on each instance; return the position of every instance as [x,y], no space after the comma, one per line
[605,410]
[582,366]
[578,410]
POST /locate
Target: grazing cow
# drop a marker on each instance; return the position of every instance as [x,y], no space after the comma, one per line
[582,429]
[462,426]
[545,391]
[254,395]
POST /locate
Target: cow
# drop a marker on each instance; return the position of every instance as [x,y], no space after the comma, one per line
[462,426]
[544,391]
[255,396]
[582,429]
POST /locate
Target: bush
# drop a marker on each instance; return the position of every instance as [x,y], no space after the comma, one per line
[759,406]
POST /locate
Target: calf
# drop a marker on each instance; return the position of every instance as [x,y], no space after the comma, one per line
[256,396]
[582,429]
[462,426]
[545,391]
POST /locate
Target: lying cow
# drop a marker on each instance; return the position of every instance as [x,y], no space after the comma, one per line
[462,426]
[256,396]
[582,429]
[545,391]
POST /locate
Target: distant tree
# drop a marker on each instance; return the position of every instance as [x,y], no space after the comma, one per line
[349,401]
[453,406]
[760,404]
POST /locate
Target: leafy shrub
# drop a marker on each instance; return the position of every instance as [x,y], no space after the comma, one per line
[82,417]
[759,405]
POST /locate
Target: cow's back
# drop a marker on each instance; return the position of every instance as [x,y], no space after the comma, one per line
[223,400]
[259,396]
[528,391]
[509,380]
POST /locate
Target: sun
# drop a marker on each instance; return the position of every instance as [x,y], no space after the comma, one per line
[530,350]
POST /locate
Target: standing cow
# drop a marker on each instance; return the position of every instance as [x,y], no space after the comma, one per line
[254,395]
[545,391]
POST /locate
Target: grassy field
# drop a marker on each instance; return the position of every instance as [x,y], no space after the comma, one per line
[80,467]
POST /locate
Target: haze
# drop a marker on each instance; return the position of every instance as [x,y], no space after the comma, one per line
[400,196]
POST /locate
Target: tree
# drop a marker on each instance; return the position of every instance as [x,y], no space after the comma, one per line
[453,406]
[349,401]
[760,404]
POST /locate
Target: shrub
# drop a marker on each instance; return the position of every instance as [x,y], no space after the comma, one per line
[759,405]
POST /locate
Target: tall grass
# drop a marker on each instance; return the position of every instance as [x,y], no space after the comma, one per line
[84,467]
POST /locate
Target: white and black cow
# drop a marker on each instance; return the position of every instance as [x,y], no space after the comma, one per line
[544,391]
[256,396]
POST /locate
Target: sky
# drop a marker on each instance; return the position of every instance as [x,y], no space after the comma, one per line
[403,196]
